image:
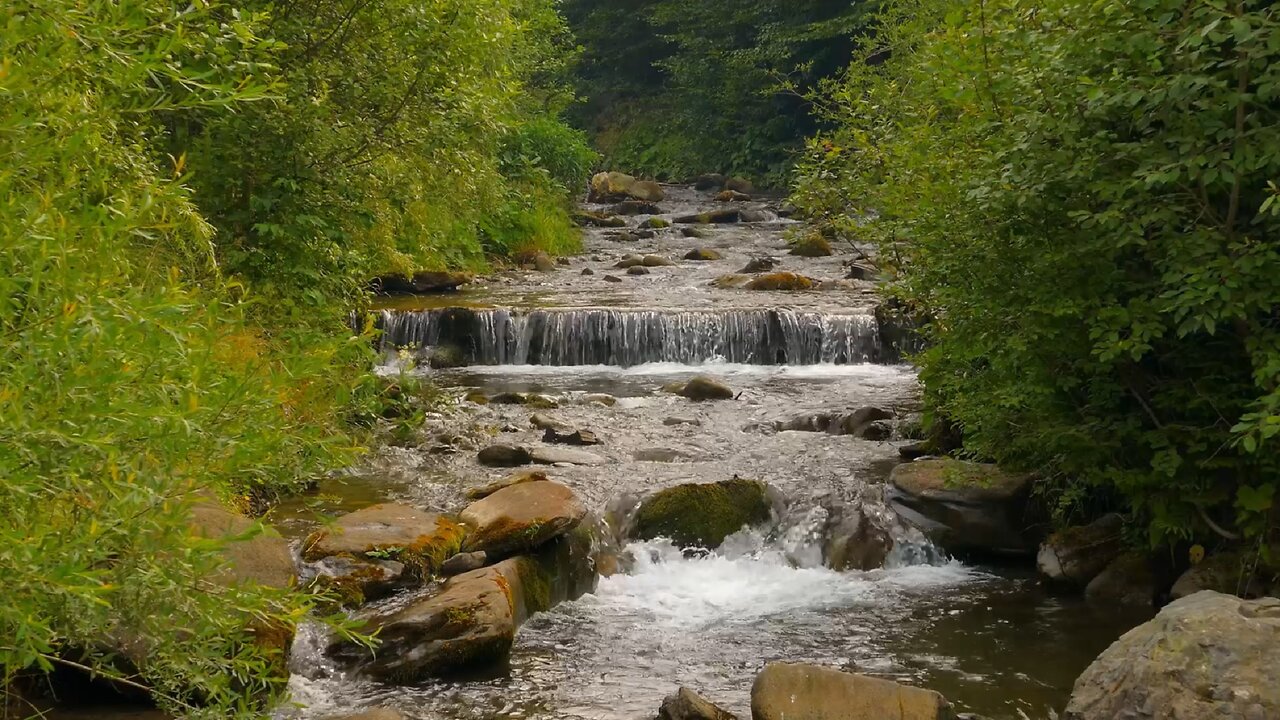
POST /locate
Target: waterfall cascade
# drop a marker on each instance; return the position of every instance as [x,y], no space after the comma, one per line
[604,336]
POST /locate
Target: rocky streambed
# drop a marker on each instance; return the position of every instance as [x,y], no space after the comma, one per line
[670,461]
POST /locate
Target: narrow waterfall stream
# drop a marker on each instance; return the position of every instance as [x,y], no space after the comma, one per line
[990,639]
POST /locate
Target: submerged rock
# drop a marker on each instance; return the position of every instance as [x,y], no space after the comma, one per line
[686,704]
[374,714]
[612,278]
[520,518]
[596,219]
[702,388]
[702,515]
[716,217]
[1205,657]
[636,207]
[966,508]
[421,540]
[656,261]
[1076,555]
[855,541]
[754,215]
[694,232]
[792,691]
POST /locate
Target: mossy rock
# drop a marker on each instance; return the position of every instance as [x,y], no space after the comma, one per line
[702,515]
[703,255]
[656,223]
[781,281]
[422,541]
[813,245]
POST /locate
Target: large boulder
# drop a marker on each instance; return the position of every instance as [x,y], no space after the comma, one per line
[610,187]
[702,388]
[716,217]
[966,508]
[855,540]
[1231,572]
[1128,583]
[685,704]
[792,691]
[520,517]
[1076,555]
[1208,656]
[467,627]
[647,191]
[255,555]
[422,541]
[702,515]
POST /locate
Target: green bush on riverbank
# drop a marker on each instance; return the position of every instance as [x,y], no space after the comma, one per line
[1082,196]
[192,198]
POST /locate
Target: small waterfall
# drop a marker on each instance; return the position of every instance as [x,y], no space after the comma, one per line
[602,336]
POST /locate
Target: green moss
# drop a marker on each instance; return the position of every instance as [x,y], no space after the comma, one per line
[812,245]
[781,281]
[703,515]
[425,555]
[657,223]
[535,586]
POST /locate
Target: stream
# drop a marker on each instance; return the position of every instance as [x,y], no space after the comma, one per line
[989,638]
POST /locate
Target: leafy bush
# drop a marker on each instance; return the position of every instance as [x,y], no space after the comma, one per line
[1081,195]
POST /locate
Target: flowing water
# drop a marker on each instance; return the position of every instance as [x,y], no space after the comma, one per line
[989,639]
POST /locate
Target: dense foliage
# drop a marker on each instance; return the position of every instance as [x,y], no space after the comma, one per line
[1081,196]
[190,195]
[680,87]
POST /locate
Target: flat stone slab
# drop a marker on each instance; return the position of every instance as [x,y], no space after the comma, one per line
[556,455]
[419,539]
[521,517]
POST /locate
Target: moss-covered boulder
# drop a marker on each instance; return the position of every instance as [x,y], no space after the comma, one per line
[702,388]
[812,245]
[732,196]
[355,581]
[422,541]
[702,515]
[739,184]
[647,191]
[656,223]
[521,517]
[1232,572]
[261,558]
[781,281]
[468,627]
[703,255]
[968,508]
[1073,556]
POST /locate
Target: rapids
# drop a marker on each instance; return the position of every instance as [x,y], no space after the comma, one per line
[988,638]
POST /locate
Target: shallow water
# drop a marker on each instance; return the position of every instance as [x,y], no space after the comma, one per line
[989,639]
